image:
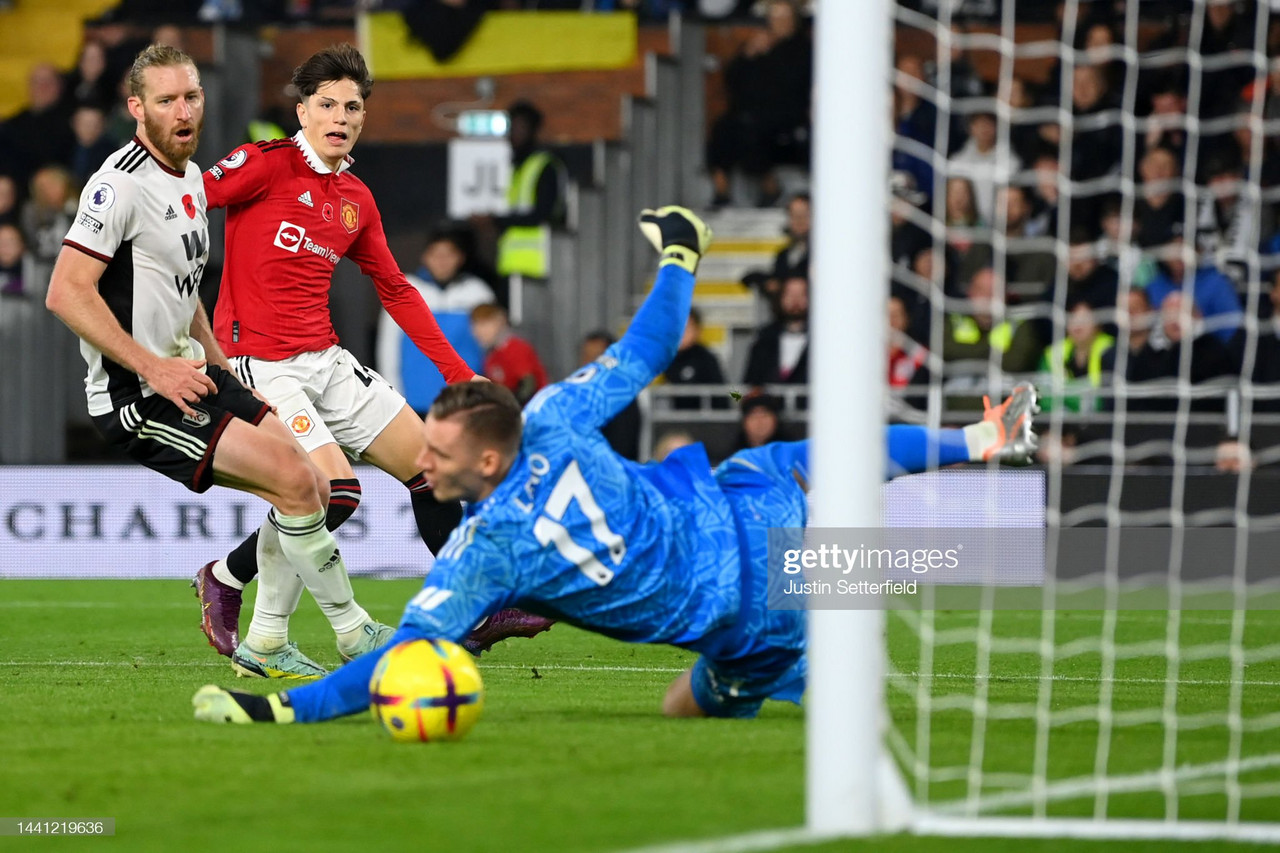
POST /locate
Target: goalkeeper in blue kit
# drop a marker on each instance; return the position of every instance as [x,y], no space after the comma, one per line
[558,524]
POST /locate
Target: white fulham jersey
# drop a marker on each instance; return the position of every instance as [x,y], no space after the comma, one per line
[148,223]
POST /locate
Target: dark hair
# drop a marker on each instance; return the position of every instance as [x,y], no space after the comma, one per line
[336,62]
[601,336]
[1082,233]
[751,402]
[490,413]
[155,56]
[525,110]
[696,316]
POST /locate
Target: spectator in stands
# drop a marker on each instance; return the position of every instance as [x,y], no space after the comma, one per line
[93,146]
[906,238]
[536,198]
[1044,200]
[1095,148]
[48,212]
[1030,271]
[780,352]
[1232,456]
[8,200]
[907,358]
[1215,296]
[916,119]
[1075,364]
[120,122]
[90,84]
[1167,122]
[623,432]
[13,266]
[915,294]
[985,162]
[1024,136]
[1225,31]
[1143,360]
[1266,357]
[1161,211]
[694,364]
[41,133]
[1088,280]
[761,421]
[451,293]
[669,442]
[1210,357]
[1095,34]
[1229,227]
[509,359]
[768,85]
[794,257]
[961,214]
[975,335]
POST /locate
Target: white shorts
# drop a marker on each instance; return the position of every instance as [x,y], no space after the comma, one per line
[324,397]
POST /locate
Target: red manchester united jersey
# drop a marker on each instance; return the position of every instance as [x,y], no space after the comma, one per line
[289,221]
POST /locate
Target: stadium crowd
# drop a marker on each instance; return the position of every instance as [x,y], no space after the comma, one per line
[1021,219]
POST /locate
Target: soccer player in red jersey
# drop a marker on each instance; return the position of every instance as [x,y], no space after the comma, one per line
[293,211]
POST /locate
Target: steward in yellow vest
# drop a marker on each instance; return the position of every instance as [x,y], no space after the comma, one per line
[1077,361]
[535,198]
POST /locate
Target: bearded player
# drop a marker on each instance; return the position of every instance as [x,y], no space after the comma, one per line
[293,211]
[159,388]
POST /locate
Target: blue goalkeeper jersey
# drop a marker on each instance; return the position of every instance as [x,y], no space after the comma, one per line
[643,553]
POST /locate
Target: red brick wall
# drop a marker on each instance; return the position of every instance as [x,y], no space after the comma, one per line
[580,106]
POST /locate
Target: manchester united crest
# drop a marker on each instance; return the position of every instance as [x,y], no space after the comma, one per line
[300,424]
[349,213]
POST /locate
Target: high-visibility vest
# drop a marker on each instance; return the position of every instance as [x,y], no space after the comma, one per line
[965,330]
[260,130]
[1059,355]
[1056,359]
[526,249]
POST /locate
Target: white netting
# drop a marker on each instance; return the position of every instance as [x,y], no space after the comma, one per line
[1136,139]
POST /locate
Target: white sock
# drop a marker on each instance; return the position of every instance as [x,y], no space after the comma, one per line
[980,438]
[311,548]
[279,590]
[223,574]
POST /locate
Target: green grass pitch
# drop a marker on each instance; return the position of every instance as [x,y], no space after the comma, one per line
[571,753]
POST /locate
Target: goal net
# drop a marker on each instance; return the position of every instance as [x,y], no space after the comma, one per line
[1084,194]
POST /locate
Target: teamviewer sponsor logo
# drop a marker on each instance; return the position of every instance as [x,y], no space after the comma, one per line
[289,236]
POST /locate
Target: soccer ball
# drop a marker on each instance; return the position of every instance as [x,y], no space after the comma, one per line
[425,690]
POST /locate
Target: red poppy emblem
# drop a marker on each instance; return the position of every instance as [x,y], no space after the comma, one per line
[189,206]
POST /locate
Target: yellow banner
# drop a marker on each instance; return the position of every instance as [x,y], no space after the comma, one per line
[504,43]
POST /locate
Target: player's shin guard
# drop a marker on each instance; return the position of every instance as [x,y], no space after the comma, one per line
[435,519]
[279,589]
[344,498]
[310,547]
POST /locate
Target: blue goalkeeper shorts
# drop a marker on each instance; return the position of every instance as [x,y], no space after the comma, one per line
[762,655]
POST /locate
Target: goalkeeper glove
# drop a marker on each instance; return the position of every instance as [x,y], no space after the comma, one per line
[678,234]
[215,705]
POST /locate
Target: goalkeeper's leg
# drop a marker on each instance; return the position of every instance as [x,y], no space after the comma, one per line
[1004,435]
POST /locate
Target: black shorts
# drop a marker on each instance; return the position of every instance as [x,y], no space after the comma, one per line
[155,432]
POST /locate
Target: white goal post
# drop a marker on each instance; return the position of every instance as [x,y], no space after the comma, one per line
[869,771]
